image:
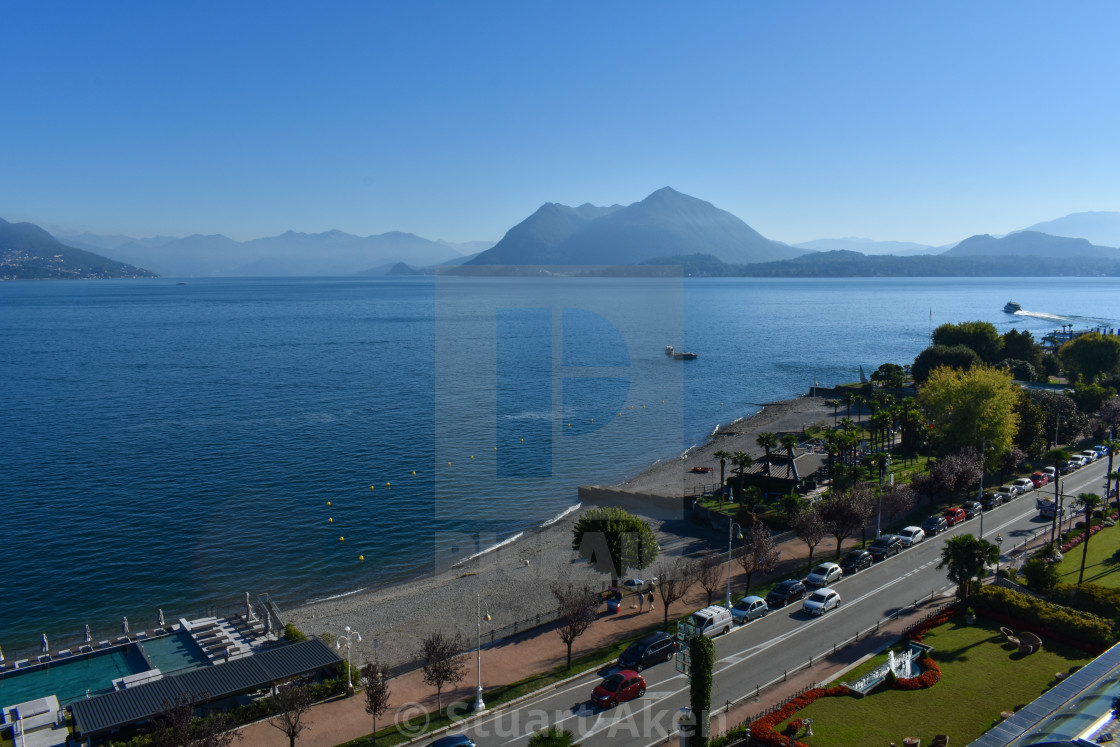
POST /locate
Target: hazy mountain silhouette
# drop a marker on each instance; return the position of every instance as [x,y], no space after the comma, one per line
[665,224]
[1101,227]
[1029,244]
[27,251]
[868,246]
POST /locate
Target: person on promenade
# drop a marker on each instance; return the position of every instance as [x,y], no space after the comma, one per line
[641,601]
[649,599]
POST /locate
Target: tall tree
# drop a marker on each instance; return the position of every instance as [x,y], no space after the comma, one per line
[442,662]
[965,557]
[767,441]
[972,408]
[957,357]
[1090,356]
[844,513]
[760,553]
[1089,501]
[577,611]
[702,658]
[1021,346]
[980,337]
[741,460]
[789,443]
[377,692]
[709,572]
[958,471]
[899,499]
[889,375]
[722,456]
[835,405]
[292,704]
[673,582]
[177,726]
[809,527]
[614,541]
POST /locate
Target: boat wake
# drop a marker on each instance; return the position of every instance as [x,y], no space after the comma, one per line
[337,596]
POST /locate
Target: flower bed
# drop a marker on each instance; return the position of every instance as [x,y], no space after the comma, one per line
[929,677]
[762,730]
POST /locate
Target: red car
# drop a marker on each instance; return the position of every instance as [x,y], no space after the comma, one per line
[1039,479]
[955,515]
[618,688]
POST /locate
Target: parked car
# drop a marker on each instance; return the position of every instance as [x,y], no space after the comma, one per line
[1050,472]
[1081,461]
[1038,479]
[712,621]
[1009,491]
[784,593]
[911,536]
[955,515]
[885,546]
[991,500]
[456,740]
[821,601]
[1023,484]
[636,584]
[972,509]
[934,525]
[645,652]
[1070,465]
[1102,450]
[824,575]
[1089,455]
[749,608]
[856,560]
[618,688]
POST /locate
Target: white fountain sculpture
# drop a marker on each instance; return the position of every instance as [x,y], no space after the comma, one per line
[900,664]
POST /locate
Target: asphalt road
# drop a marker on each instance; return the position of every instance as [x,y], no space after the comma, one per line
[760,652]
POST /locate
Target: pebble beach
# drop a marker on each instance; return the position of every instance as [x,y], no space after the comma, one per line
[513,582]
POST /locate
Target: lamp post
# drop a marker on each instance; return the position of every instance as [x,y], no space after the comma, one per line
[731,531]
[479,705]
[348,637]
[983,466]
[999,544]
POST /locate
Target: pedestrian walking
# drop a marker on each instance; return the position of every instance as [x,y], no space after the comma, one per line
[641,601]
[649,599]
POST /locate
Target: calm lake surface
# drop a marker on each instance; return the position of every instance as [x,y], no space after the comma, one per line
[174,446]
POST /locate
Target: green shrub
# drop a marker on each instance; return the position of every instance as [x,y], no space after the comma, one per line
[1073,625]
[1098,600]
[292,634]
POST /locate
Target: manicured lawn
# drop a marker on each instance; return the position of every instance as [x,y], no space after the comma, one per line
[1100,566]
[981,676]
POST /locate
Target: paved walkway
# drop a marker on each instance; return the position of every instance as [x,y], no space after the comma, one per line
[539,650]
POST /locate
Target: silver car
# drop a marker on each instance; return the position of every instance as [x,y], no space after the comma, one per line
[749,608]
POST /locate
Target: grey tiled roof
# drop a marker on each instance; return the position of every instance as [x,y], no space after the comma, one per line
[247,674]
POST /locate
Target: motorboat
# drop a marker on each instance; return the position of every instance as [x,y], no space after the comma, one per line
[1011,307]
[679,356]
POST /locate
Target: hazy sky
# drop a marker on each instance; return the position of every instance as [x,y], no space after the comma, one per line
[455,120]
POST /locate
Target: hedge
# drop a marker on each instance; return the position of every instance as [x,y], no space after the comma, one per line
[1093,598]
[762,730]
[1073,627]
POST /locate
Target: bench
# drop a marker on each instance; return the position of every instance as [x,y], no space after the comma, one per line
[1029,643]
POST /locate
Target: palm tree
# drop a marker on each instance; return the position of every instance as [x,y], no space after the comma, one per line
[859,401]
[789,443]
[835,405]
[553,736]
[1089,501]
[741,460]
[767,441]
[722,456]
[847,399]
[966,557]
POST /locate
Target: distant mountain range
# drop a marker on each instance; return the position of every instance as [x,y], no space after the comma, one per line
[27,252]
[667,223]
[289,254]
[666,233]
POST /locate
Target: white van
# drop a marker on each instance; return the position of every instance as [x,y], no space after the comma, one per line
[711,621]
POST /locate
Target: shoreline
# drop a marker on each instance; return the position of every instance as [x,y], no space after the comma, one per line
[512,580]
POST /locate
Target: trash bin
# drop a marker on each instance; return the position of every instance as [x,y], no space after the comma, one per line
[612,606]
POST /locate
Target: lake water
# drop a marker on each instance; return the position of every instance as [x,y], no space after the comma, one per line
[173,446]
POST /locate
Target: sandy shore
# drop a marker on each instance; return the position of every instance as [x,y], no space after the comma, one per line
[515,580]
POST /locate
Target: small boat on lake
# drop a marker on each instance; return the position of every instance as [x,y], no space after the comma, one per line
[1011,307]
[679,356]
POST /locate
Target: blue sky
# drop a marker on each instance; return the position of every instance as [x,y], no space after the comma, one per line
[894,121]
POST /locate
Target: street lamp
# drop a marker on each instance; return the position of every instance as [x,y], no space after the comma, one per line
[731,530]
[999,544]
[480,706]
[348,637]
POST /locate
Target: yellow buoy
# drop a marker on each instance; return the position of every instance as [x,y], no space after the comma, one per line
[522,440]
[371,487]
[341,539]
[328,503]
[449,464]
[569,425]
[361,557]
[631,407]
[592,420]
[472,456]
[495,448]
[330,521]
[414,473]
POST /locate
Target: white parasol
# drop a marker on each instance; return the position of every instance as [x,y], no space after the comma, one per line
[46,645]
[88,636]
[161,623]
[124,624]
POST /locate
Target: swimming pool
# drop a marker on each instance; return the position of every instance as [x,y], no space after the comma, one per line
[174,653]
[69,678]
